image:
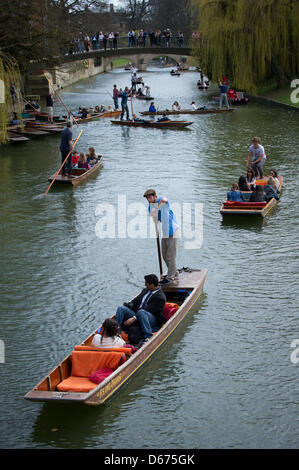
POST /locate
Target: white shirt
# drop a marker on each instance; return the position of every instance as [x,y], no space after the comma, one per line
[256,152]
[113,342]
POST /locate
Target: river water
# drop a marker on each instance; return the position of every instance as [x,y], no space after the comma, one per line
[225,379]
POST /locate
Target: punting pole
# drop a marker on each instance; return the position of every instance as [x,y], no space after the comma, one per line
[75,143]
[61,101]
[159,248]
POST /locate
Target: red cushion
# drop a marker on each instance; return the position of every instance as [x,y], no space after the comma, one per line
[169,310]
[99,375]
[244,205]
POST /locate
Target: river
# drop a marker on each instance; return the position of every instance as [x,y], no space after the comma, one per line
[225,379]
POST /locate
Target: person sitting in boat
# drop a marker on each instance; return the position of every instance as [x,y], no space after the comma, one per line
[82,162]
[75,157]
[257,194]
[91,110]
[231,94]
[234,194]
[146,309]
[147,90]
[102,108]
[139,92]
[164,118]
[84,113]
[92,157]
[270,190]
[176,106]
[97,109]
[137,119]
[109,335]
[243,186]
[109,108]
[152,108]
[193,106]
[274,175]
[250,179]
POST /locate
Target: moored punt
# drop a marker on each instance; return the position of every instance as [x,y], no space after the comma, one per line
[147,98]
[15,139]
[159,125]
[79,175]
[108,114]
[68,381]
[188,111]
[250,208]
[30,132]
[175,74]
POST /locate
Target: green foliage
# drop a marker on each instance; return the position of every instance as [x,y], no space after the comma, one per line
[248,40]
[9,74]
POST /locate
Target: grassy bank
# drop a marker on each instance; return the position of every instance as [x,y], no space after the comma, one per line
[283,95]
[120,62]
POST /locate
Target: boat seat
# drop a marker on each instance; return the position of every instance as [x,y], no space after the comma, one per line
[244,205]
[84,363]
[127,351]
[170,309]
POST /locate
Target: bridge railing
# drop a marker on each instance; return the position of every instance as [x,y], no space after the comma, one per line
[123,42]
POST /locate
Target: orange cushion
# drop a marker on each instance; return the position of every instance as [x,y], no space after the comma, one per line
[84,363]
[76,384]
[93,348]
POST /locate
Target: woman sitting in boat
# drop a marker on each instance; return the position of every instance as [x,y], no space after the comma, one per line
[91,110]
[92,157]
[82,162]
[110,109]
[109,336]
[176,106]
[84,113]
[164,118]
[243,186]
[250,179]
[257,194]
[152,108]
[75,157]
[234,194]
[97,109]
[270,190]
[137,119]
[274,175]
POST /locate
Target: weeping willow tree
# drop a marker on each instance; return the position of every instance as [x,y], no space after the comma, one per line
[10,103]
[250,41]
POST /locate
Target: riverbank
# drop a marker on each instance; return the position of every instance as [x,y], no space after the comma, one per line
[271,95]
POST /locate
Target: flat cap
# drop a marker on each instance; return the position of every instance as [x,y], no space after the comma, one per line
[149,192]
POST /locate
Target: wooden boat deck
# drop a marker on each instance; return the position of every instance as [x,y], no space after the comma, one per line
[186,294]
[78,174]
[31,132]
[159,125]
[188,111]
[14,139]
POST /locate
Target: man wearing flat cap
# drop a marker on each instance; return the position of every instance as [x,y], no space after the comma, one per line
[160,210]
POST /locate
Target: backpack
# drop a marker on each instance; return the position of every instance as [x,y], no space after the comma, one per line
[135,334]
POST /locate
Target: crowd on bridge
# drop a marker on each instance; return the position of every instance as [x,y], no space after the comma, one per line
[135,38]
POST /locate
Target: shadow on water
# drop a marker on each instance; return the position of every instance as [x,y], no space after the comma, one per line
[76,425]
[254,224]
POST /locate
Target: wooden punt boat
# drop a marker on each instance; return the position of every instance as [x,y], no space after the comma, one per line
[108,114]
[30,132]
[17,139]
[79,175]
[175,74]
[44,116]
[250,208]
[43,126]
[146,98]
[188,111]
[185,292]
[159,125]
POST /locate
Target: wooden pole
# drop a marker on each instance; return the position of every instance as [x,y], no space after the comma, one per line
[159,248]
[61,101]
[75,143]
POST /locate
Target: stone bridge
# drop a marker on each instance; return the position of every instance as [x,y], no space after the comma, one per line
[75,67]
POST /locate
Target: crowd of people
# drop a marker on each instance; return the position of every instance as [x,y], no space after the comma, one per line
[135,38]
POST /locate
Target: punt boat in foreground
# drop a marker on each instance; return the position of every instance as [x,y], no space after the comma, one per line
[188,111]
[250,208]
[69,382]
[79,175]
[160,125]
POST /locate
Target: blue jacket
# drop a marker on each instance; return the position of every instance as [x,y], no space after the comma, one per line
[235,196]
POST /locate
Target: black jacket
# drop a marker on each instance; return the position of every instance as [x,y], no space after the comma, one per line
[155,304]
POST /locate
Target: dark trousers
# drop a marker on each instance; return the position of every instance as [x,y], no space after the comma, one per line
[115,103]
[68,164]
[124,107]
